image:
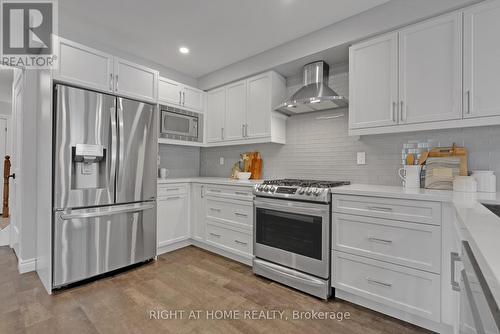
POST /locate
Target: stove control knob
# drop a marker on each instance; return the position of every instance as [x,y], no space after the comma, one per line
[266,188]
[260,188]
[317,192]
[309,191]
[273,189]
[301,190]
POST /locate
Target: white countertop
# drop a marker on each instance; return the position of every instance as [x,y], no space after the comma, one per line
[210,180]
[477,225]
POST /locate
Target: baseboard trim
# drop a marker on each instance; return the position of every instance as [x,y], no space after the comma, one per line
[398,314]
[222,252]
[5,236]
[25,266]
[171,246]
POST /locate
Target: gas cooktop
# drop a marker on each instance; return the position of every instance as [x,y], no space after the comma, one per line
[298,189]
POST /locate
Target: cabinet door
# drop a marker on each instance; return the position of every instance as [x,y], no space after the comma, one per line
[236,95]
[481,60]
[258,115]
[198,212]
[430,75]
[373,82]
[216,109]
[169,91]
[172,222]
[192,98]
[84,66]
[135,81]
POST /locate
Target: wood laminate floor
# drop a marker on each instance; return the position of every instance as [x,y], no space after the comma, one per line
[186,280]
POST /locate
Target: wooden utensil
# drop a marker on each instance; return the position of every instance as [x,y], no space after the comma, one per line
[410,159]
[423,158]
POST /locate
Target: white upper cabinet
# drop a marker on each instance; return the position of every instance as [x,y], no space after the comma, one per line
[481,60]
[216,109]
[234,121]
[246,115]
[258,104]
[179,95]
[373,82]
[169,91]
[193,98]
[90,68]
[135,80]
[430,71]
[84,66]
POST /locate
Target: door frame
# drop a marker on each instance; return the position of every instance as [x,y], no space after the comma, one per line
[18,87]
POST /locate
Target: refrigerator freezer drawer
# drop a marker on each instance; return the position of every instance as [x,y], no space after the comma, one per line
[89,242]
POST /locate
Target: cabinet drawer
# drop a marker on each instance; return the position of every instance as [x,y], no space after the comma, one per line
[231,239]
[409,290]
[172,189]
[232,192]
[410,244]
[230,211]
[381,207]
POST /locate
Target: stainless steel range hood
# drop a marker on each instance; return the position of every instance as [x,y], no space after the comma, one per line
[315,94]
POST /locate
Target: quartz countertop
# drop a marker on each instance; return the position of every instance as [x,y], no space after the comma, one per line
[476,224]
[210,180]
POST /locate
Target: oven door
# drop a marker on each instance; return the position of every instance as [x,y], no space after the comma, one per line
[294,234]
[177,124]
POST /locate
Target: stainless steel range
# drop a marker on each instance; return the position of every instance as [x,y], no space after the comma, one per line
[292,233]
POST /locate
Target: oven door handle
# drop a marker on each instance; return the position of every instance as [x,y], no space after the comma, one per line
[294,206]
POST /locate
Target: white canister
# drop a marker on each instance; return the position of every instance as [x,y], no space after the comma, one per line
[164,173]
[410,175]
[486,180]
[465,184]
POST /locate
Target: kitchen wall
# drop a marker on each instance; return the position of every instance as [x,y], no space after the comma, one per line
[182,161]
[320,148]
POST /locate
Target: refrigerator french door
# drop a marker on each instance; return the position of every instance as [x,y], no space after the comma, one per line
[104,190]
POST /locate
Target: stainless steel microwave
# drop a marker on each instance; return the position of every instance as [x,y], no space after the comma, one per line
[180,124]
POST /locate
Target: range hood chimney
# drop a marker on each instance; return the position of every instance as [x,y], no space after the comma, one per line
[315,95]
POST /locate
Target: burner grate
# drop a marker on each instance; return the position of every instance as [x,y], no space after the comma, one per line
[306,183]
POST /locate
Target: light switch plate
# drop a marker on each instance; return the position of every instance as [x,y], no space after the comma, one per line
[361,157]
[221,161]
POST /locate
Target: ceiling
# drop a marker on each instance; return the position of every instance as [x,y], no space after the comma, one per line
[218,32]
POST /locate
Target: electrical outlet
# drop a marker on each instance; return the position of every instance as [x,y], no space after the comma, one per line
[221,161]
[361,157]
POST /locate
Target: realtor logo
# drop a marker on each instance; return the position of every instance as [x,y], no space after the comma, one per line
[27,32]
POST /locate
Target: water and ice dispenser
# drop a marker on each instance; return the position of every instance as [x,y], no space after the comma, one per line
[88,166]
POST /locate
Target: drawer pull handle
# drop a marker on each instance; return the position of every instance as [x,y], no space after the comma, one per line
[384,241]
[214,209]
[172,198]
[380,208]
[374,281]
[240,214]
[215,190]
[172,189]
[241,193]
[241,242]
[215,234]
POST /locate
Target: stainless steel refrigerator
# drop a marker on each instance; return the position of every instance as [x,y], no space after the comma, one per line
[104,189]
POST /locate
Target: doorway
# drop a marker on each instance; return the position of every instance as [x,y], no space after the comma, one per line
[7,75]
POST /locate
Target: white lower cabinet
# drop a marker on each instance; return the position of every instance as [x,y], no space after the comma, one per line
[172,218]
[218,218]
[405,289]
[197,211]
[386,255]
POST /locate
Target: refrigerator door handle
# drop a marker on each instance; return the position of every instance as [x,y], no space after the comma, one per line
[121,144]
[112,172]
[109,212]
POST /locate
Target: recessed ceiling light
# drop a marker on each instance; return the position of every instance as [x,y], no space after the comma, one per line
[183,50]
